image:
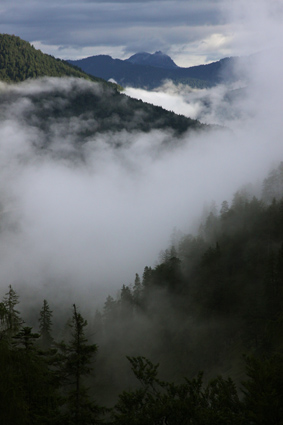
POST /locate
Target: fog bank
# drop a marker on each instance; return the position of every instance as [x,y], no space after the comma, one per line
[89,225]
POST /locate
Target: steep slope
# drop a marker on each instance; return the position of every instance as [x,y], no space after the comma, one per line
[60,107]
[19,60]
[55,104]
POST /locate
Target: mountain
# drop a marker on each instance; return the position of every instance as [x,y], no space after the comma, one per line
[19,61]
[83,109]
[158,59]
[147,71]
[212,298]
[109,109]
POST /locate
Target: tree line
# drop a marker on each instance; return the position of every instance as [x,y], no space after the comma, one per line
[211,298]
[19,61]
[46,382]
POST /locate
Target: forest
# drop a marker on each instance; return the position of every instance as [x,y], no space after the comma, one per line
[19,61]
[97,108]
[197,339]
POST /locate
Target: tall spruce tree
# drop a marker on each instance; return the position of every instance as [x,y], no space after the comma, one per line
[37,385]
[10,316]
[45,324]
[80,410]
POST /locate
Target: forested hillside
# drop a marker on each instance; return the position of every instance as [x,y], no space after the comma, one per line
[211,299]
[99,108]
[84,109]
[197,338]
[19,61]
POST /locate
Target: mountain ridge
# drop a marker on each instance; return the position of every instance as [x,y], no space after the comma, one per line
[130,72]
[157,59]
[109,109]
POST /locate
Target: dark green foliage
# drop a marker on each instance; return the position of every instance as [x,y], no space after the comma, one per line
[44,387]
[19,61]
[27,385]
[45,324]
[25,339]
[80,410]
[9,315]
[158,402]
[211,298]
[264,390]
[97,108]
[13,409]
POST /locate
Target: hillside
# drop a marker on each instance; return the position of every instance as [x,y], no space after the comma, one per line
[19,61]
[97,109]
[211,299]
[108,109]
[140,72]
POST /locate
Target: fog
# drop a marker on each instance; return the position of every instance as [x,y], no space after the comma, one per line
[86,227]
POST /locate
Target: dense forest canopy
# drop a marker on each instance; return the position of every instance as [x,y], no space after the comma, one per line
[20,61]
[85,109]
[212,298]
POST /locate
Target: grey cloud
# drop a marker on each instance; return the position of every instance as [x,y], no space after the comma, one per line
[91,225]
[101,13]
[92,23]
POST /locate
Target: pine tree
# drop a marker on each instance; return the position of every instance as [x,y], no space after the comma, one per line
[79,356]
[45,324]
[9,315]
[110,312]
[137,291]
[28,390]
[126,303]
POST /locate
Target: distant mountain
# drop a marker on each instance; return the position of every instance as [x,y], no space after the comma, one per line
[158,59]
[102,107]
[19,61]
[141,70]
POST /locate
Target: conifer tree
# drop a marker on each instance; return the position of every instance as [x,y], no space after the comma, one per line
[126,303]
[80,410]
[9,315]
[137,291]
[28,386]
[45,324]
[110,311]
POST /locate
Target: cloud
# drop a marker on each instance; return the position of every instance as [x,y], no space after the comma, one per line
[83,227]
[221,105]
[59,26]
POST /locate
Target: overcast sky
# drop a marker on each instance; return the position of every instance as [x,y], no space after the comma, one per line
[190,31]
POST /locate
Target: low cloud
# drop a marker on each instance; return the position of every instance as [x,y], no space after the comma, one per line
[220,105]
[83,219]
[85,224]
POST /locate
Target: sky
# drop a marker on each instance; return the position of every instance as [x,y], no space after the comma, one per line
[192,32]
